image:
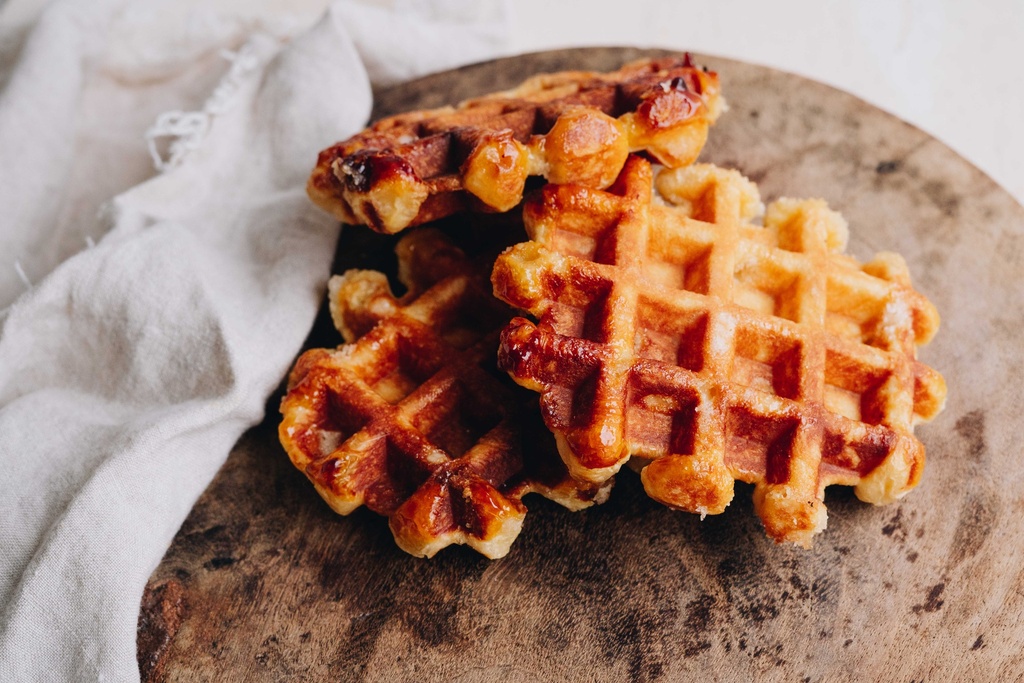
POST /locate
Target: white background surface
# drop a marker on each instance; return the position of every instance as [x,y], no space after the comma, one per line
[951,67]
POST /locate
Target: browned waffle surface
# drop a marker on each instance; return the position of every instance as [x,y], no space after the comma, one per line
[574,126]
[711,349]
[411,417]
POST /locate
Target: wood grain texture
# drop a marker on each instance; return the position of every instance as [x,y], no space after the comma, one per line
[264,582]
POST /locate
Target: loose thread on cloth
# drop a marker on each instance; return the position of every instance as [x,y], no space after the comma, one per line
[23,276]
[188,129]
[27,282]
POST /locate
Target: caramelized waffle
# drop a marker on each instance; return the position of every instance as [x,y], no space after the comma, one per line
[711,349]
[574,126]
[412,419]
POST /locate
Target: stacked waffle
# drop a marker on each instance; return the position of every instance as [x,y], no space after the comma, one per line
[675,324]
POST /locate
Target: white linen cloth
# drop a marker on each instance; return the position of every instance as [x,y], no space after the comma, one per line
[156,322]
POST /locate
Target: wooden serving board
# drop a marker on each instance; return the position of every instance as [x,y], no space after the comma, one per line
[264,582]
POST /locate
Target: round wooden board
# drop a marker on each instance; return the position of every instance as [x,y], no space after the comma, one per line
[264,582]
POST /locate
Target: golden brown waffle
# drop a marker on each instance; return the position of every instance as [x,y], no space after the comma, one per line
[574,126]
[412,418]
[712,349]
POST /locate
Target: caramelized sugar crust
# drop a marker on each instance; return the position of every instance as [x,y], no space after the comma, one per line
[675,331]
[573,126]
[411,418]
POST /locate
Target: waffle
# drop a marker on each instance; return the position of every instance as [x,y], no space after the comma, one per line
[712,350]
[572,126]
[412,419]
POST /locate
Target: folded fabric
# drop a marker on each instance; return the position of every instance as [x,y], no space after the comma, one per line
[130,368]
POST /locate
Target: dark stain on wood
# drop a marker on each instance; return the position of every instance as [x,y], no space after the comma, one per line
[740,576]
[974,524]
[699,618]
[971,427]
[942,196]
[933,601]
[887,167]
[894,527]
[220,563]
